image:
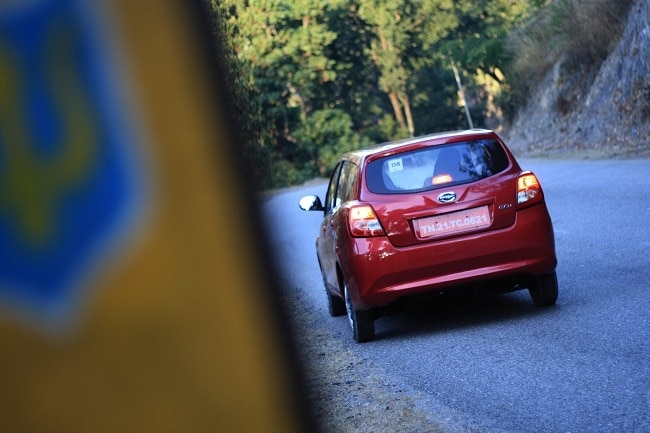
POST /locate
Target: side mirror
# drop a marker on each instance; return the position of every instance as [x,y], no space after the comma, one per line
[310,202]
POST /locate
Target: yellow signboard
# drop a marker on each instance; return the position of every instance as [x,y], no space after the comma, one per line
[162,322]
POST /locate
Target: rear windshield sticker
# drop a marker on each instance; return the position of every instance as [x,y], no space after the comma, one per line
[395,165]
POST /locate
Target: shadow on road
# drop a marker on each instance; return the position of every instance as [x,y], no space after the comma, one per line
[451,312]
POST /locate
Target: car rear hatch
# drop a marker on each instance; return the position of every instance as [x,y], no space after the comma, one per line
[438,192]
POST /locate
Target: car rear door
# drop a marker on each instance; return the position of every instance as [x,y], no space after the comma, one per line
[341,189]
[327,238]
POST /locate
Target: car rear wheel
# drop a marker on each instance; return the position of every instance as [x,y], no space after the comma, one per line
[544,290]
[362,322]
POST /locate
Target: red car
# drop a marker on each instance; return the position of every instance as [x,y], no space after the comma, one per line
[431,214]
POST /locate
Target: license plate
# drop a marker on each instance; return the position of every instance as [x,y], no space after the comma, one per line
[454,222]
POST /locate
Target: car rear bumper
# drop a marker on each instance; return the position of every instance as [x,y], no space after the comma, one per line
[378,273]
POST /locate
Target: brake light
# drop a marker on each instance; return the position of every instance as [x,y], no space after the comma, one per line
[363,222]
[529,191]
[441,178]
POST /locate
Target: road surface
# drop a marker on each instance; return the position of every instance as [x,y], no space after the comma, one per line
[497,363]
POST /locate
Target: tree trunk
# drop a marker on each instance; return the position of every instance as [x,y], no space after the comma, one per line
[462,93]
[406,103]
[397,108]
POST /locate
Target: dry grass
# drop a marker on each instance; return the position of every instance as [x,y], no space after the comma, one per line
[581,32]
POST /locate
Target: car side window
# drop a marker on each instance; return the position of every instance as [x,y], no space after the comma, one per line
[330,197]
[347,181]
[341,185]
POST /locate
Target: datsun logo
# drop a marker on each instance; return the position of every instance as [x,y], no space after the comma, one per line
[447,197]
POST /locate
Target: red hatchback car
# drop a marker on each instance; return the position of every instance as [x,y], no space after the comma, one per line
[431,214]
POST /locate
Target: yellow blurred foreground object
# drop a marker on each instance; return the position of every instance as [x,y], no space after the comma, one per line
[170,328]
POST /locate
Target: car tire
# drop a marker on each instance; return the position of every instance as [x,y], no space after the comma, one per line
[362,322]
[544,290]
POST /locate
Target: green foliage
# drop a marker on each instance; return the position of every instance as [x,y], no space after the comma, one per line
[285,173]
[355,87]
[312,80]
[246,111]
[324,136]
[435,99]
[477,42]
[402,32]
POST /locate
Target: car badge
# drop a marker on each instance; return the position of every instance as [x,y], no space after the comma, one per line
[447,197]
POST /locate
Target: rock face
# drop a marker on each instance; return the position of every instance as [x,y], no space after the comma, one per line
[603,113]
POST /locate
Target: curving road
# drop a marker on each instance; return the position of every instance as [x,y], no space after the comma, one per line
[496,363]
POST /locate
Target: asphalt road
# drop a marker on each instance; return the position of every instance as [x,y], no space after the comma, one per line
[497,363]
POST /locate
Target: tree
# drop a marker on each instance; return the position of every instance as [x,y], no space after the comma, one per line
[325,135]
[245,110]
[354,88]
[401,28]
[322,78]
[285,43]
[483,26]
[285,40]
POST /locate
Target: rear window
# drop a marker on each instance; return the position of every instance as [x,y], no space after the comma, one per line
[436,167]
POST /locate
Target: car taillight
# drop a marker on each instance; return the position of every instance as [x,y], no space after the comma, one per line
[363,222]
[529,191]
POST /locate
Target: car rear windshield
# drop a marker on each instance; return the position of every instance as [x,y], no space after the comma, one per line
[436,167]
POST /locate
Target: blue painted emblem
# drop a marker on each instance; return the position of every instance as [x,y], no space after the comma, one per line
[447,197]
[69,187]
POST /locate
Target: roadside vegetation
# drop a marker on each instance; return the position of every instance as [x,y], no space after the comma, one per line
[310,80]
[582,33]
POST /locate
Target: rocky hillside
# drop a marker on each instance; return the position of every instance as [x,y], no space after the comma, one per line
[593,114]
